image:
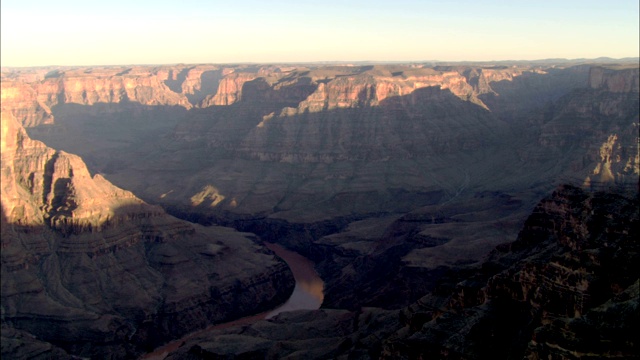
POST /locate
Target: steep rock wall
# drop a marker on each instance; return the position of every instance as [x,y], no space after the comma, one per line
[95,271]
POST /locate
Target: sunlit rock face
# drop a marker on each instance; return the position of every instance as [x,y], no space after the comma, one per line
[272,139]
[615,79]
[29,95]
[90,270]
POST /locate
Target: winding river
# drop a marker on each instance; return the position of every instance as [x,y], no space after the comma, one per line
[307,295]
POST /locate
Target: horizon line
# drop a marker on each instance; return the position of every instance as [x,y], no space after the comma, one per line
[345,62]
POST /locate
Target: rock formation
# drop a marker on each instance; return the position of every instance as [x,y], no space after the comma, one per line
[396,180]
[557,290]
[566,288]
[91,270]
[601,121]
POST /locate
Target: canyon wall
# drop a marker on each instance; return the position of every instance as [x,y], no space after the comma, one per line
[396,179]
[567,288]
[559,291]
[91,270]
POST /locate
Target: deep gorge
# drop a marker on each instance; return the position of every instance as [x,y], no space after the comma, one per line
[445,206]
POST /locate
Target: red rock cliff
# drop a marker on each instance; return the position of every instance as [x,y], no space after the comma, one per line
[100,273]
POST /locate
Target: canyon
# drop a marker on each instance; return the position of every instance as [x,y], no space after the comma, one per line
[452,210]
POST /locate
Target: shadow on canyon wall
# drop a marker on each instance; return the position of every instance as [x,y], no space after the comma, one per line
[383,242]
[131,283]
[428,151]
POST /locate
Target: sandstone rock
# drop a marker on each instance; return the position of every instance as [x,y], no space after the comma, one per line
[413,171]
[573,263]
[21,100]
[521,303]
[31,98]
[97,272]
[618,79]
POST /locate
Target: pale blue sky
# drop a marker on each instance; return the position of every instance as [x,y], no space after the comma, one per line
[36,33]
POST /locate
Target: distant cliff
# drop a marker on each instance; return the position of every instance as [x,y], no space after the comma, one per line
[602,122]
[619,79]
[30,97]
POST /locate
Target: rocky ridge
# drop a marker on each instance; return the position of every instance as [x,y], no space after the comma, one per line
[559,291]
[90,270]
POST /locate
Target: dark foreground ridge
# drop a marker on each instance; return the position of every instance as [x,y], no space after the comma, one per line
[566,288]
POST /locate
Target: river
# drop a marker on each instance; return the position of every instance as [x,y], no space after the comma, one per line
[307,295]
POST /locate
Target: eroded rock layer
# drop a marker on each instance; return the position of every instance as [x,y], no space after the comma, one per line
[88,269]
[567,288]
[396,180]
[303,142]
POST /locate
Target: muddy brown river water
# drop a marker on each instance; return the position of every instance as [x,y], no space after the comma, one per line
[307,295]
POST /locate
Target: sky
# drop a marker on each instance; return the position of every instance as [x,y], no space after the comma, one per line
[116,32]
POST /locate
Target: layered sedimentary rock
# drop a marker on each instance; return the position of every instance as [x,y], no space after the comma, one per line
[91,270]
[566,288]
[601,124]
[22,101]
[395,179]
[556,292]
[30,96]
[345,131]
[620,79]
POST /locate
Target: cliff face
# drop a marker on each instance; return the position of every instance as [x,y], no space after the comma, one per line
[54,188]
[229,90]
[615,79]
[30,97]
[567,288]
[406,120]
[339,136]
[21,100]
[557,290]
[95,271]
[600,125]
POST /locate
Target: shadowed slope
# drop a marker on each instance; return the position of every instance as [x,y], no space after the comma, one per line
[96,271]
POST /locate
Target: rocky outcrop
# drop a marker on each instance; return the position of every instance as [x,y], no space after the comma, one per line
[321,334]
[201,81]
[30,98]
[548,294]
[42,186]
[18,344]
[90,270]
[599,125]
[348,87]
[229,90]
[567,288]
[393,261]
[21,100]
[617,79]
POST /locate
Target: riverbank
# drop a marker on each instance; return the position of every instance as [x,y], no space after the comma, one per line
[308,294]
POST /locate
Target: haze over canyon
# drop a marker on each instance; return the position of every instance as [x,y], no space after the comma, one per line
[452,210]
